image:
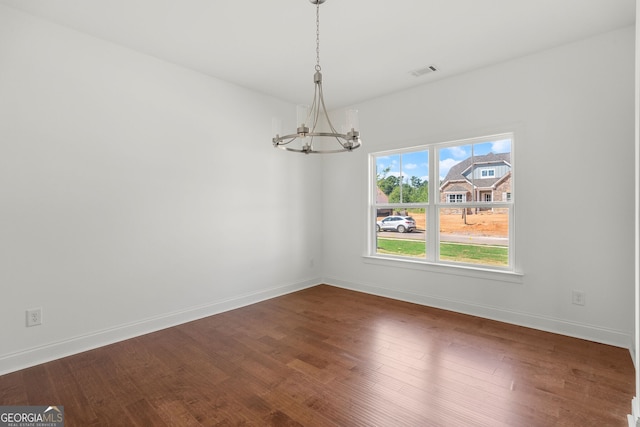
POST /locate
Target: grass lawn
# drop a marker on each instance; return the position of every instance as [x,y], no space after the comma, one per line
[475,254]
[401,247]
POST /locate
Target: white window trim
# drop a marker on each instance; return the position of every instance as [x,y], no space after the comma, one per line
[464,270]
[511,273]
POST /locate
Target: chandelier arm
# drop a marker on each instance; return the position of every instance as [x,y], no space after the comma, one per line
[310,114]
[340,150]
[295,150]
[314,108]
[324,109]
[339,140]
[312,151]
[281,139]
[327,134]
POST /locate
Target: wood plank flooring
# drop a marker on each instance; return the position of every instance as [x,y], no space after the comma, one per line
[326,356]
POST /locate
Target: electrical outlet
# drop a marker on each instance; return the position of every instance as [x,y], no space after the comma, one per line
[34,317]
[578,297]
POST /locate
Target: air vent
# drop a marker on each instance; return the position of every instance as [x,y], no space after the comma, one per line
[422,71]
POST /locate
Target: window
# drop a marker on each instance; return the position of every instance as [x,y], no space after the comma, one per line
[413,191]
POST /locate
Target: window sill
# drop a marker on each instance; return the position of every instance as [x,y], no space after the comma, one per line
[456,270]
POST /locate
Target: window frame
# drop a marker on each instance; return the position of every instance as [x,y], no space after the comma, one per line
[433,206]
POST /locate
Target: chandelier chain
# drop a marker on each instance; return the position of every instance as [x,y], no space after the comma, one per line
[318,36]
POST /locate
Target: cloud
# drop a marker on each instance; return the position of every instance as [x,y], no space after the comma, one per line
[396,174]
[383,165]
[458,152]
[445,165]
[410,166]
[501,146]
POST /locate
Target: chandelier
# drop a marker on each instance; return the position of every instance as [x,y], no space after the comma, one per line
[307,139]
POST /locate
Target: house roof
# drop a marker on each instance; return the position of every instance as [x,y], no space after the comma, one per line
[381,198]
[456,173]
[457,189]
[485,182]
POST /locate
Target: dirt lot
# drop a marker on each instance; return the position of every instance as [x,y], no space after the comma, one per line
[484,223]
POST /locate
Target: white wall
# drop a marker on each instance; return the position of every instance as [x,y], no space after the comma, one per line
[135,194]
[572,111]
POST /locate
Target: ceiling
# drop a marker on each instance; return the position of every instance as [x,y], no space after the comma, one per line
[367,48]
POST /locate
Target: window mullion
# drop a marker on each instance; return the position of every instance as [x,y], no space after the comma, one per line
[432,219]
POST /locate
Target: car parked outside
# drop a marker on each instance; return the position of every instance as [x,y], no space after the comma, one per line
[401,224]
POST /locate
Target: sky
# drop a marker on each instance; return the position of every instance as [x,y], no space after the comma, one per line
[417,163]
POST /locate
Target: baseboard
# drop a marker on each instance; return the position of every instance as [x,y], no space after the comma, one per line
[548,324]
[35,356]
[634,418]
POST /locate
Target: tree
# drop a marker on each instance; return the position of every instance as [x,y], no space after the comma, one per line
[421,194]
[414,191]
[386,184]
[394,196]
[416,182]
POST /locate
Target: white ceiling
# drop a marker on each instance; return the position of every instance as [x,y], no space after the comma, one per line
[367,48]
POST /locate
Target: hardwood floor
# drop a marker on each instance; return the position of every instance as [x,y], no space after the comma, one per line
[331,357]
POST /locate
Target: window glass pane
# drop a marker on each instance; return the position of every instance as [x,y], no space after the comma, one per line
[415,177]
[454,183]
[402,233]
[478,235]
[480,172]
[403,178]
[387,177]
